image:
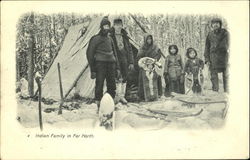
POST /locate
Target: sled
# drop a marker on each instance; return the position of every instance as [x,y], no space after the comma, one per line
[143,112]
[191,101]
[194,99]
[149,78]
[177,114]
[150,115]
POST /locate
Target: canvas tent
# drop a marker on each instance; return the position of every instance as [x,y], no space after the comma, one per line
[75,72]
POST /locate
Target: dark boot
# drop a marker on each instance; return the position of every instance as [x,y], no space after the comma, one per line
[98,106]
[215,81]
[196,87]
[225,81]
[159,85]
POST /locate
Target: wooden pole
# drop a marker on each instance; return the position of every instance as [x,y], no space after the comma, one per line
[143,29]
[39,103]
[138,23]
[61,89]
[76,80]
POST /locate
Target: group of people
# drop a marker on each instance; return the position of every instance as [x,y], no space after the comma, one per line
[110,57]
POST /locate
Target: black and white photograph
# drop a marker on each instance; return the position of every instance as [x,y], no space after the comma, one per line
[112,71]
[116,71]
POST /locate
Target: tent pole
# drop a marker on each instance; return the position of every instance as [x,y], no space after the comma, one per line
[61,89]
[143,29]
[73,85]
[39,103]
[138,23]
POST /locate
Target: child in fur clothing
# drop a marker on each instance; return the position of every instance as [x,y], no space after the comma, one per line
[193,66]
[173,72]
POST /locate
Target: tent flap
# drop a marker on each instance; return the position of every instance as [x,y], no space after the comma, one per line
[72,59]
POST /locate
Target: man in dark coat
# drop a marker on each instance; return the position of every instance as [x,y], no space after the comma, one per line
[124,54]
[216,53]
[102,59]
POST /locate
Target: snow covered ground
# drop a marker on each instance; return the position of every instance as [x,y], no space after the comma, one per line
[162,114]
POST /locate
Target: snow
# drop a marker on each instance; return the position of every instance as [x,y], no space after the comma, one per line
[171,113]
[23,86]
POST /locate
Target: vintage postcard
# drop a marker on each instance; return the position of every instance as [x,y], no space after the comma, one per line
[124,79]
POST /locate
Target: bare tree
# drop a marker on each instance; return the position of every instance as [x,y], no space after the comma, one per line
[30,52]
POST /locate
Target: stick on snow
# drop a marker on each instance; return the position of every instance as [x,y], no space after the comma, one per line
[39,103]
[61,89]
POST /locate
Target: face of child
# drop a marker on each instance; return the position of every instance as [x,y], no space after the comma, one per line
[150,66]
[172,50]
[192,54]
[149,40]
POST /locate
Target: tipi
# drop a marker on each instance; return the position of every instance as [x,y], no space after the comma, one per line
[75,72]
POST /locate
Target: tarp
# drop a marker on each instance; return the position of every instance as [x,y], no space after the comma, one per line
[72,59]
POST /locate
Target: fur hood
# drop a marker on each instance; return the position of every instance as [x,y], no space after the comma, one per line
[146,36]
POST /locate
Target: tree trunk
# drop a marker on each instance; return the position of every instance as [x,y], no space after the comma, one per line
[201,44]
[54,28]
[17,67]
[31,57]
[50,45]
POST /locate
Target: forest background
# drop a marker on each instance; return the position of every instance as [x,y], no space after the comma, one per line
[40,36]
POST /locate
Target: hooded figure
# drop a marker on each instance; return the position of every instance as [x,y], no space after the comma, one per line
[103,63]
[124,55]
[216,53]
[173,72]
[149,49]
[193,67]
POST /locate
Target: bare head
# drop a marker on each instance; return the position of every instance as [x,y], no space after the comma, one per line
[191,53]
[173,49]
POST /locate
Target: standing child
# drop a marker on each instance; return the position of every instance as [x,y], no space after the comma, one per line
[193,67]
[173,72]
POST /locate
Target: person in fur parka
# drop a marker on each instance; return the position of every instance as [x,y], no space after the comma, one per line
[149,49]
[193,66]
[216,53]
[173,72]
